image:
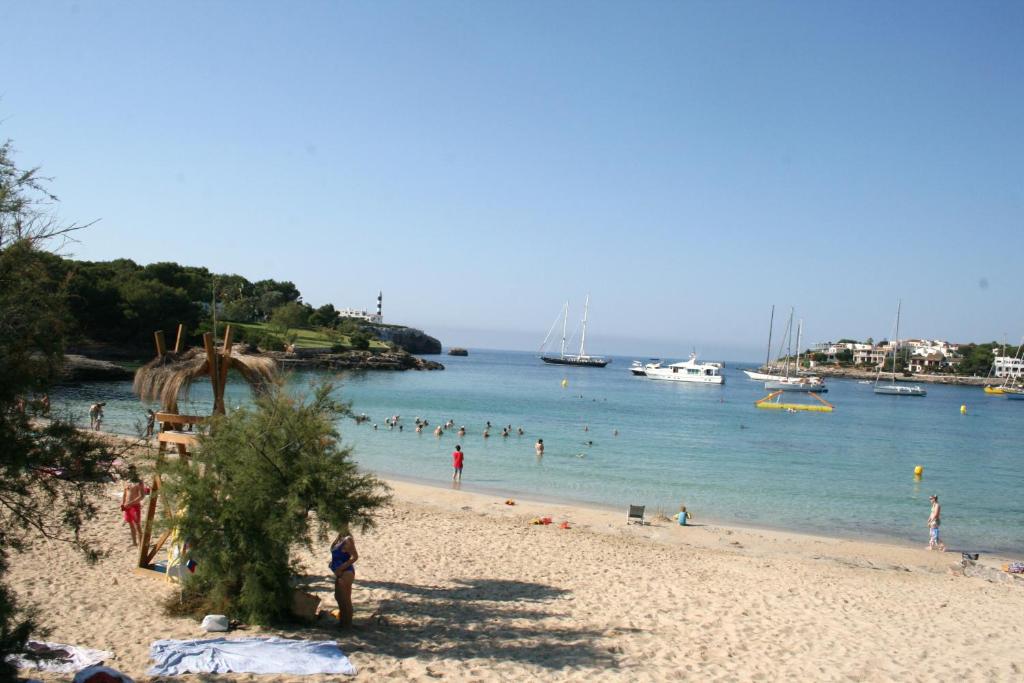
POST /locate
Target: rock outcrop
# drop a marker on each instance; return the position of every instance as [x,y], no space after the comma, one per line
[355,360]
[409,338]
[457,351]
[81,369]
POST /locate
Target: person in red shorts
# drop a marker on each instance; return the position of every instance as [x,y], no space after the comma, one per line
[131,504]
[457,456]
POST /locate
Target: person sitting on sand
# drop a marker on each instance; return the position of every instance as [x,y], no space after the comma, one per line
[131,504]
[343,560]
[934,519]
[683,516]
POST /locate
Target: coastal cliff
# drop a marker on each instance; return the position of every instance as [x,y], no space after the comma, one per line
[409,338]
[353,360]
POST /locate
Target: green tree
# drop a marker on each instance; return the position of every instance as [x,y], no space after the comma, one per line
[265,479]
[289,316]
[33,323]
[325,316]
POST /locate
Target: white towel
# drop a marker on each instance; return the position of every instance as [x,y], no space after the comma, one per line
[59,658]
[248,655]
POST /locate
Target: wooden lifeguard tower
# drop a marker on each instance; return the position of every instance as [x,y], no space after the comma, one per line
[165,379]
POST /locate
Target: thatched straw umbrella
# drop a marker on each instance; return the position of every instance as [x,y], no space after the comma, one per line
[167,377]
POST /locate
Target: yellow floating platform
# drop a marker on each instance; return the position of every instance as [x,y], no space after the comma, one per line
[795,406]
[768,404]
[994,390]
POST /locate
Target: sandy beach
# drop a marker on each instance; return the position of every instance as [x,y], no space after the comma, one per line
[461,586]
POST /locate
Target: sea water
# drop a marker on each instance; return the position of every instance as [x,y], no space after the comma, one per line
[846,473]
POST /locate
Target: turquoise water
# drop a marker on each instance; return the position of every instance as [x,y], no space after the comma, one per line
[848,473]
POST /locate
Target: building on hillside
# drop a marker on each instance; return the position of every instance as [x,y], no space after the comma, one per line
[377,318]
[1007,366]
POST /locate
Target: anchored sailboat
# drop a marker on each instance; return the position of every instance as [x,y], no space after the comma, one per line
[764,376]
[893,389]
[580,358]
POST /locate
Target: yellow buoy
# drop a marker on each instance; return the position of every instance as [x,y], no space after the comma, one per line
[565,383]
[918,471]
[963,409]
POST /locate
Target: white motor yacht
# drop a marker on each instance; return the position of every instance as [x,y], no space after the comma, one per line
[688,371]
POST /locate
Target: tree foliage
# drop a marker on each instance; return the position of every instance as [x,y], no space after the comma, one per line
[48,470]
[264,480]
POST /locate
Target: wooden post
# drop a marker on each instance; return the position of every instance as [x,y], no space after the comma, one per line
[225,363]
[178,348]
[161,347]
[211,362]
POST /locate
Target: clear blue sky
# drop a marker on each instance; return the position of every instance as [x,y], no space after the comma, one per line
[687,163]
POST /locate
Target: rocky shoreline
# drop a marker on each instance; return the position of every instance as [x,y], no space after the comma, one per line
[354,360]
[79,368]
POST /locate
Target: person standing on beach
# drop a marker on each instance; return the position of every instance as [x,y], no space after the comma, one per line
[457,458]
[96,415]
[343,560]
[131,504]
[934,519]
[150,422]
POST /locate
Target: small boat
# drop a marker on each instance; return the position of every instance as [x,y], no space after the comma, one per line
[687,371]
[995,390]
[639,369]
[900,390]
[892,388]
[1014,394]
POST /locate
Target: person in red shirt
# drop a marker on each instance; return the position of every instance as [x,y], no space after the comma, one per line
[457,456]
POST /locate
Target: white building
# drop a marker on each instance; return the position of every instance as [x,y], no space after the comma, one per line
[1007,366]
[377,317]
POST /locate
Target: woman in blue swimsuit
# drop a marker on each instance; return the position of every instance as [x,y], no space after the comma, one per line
[343,559]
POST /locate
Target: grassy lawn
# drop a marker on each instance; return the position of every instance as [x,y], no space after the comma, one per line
[304,338]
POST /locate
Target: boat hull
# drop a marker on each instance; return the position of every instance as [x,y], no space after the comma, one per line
[795,386]
[1014,395]
[994,390]
[584,361]
[638,372]
[668,375]
[761,376]
[897,390]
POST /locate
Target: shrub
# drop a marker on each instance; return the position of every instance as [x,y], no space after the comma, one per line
[252,492]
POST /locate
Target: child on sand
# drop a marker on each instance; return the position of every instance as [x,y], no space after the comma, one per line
[682,516]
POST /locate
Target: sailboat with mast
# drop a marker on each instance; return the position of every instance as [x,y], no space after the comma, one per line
[581,358]
[796,382]
[768,375]
[892,388]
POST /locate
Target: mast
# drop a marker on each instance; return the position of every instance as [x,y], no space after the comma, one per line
[583,336]
[565,316]
[799,337]
[789,341]
[895,352]
[768,353]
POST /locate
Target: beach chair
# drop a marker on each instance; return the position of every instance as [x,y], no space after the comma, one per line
[636,514]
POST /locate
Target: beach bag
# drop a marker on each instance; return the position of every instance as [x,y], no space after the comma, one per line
[215,622]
